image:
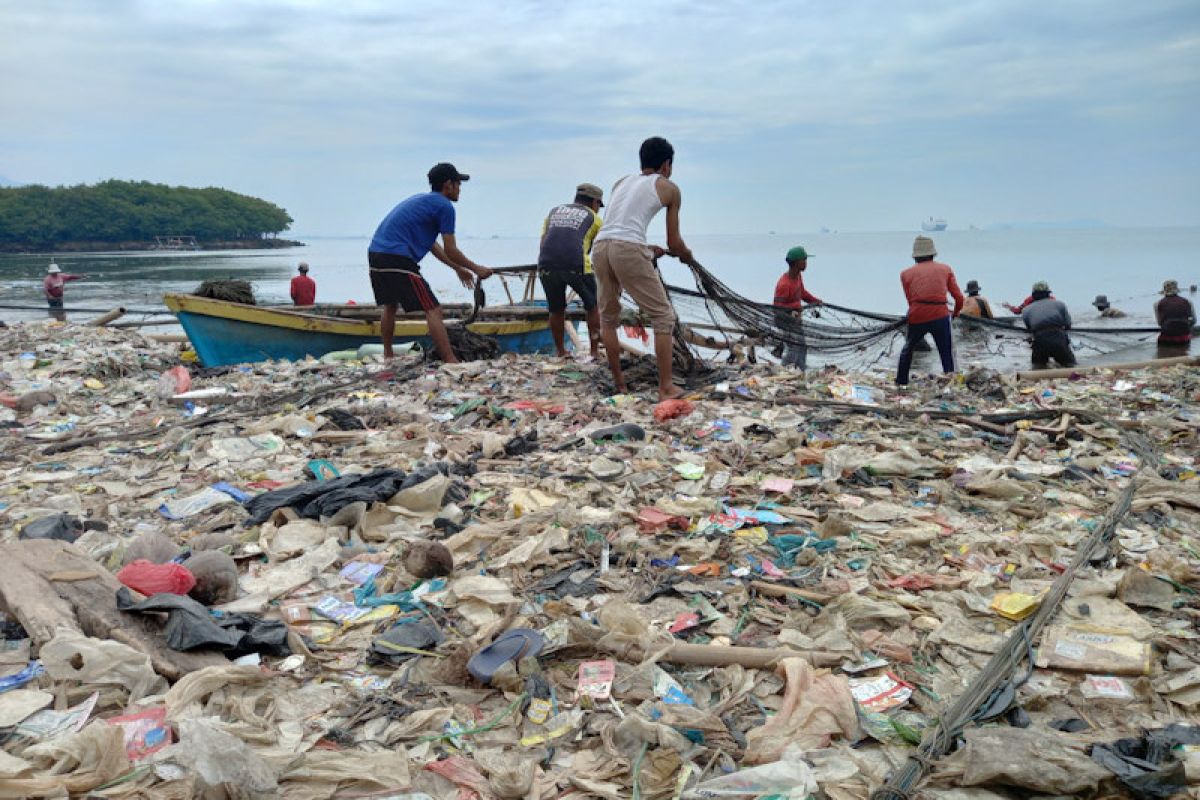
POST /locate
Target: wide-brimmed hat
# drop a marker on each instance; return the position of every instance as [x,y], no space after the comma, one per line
[1170,287]
[1101,301]
[1041,286]
[591,191]
[923,246]
[53,269]
[972,286]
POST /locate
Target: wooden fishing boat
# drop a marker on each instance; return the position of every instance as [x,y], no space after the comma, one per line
[225,333]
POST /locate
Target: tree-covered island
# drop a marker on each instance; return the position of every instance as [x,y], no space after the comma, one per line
[135,215]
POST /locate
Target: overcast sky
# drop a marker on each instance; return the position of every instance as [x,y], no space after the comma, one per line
[785,116]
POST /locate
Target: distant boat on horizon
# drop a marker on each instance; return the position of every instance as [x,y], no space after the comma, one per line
[931,224]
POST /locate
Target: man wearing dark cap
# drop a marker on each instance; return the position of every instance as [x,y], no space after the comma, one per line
[405,236]
[975,305]
[565,260]
[1048,320]
[790,296]
[304,288]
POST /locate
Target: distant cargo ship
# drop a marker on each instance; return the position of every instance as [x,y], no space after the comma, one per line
[932,224]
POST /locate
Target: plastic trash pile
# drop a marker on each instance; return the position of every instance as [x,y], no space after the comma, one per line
[498,580]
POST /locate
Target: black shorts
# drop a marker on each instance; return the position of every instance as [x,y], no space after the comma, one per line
[555,283]
[396,280]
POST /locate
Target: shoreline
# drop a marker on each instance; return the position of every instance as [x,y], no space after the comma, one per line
[25,248]
[774,532]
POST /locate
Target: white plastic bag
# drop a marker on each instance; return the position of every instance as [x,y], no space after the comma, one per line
[790,777]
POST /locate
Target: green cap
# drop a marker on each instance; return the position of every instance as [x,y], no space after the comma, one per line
[1041,286]
[797,253]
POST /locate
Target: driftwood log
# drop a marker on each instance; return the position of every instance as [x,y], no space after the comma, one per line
[47,584]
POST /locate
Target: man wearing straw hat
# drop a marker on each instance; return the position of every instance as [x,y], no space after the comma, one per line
[926,284]
[1175,315]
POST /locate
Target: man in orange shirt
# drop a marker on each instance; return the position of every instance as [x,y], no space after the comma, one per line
[926,284]
[790,295]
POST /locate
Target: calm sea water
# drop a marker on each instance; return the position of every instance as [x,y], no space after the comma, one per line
[859,270]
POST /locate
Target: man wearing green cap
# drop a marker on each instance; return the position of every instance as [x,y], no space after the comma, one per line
[1175,316]
[790,295]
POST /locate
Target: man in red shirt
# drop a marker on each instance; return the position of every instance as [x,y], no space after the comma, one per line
[304,288]
[52,287]
[926,284]
[790,295]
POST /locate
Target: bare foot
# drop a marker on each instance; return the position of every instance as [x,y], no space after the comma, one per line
[563,354]
[622,389]
[388,355]
[670,394]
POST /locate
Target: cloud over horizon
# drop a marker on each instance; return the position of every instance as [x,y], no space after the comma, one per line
[785,115]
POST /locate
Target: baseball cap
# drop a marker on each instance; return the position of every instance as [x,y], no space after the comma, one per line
[590,191]
[440,173]
[303,266]
[797,253]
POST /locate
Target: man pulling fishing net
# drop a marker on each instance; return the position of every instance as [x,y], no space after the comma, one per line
[623,261]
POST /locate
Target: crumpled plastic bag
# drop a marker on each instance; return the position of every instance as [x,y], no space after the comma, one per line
[190,626]
[817,705]
[63,527]
[1046,762]
[387,769]
[150,578]
[424,497]
[316,499]
[670,409]
[217,757]
[100,661]
[76,763]
[789,777]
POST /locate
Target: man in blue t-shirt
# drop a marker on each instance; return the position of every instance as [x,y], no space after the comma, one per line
[405,236]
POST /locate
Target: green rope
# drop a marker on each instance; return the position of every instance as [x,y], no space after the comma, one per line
[489,725]
[637,769]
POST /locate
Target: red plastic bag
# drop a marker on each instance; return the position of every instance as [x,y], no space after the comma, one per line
[176,380]
[150,578]
[670,409]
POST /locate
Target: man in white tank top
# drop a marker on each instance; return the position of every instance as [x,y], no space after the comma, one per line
[623,261]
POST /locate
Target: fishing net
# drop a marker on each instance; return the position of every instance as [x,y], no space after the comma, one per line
[228,290]
[467,345]
[714,317]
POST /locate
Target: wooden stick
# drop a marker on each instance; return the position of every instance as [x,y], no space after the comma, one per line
[104,319]
[776,590]
[1066,372]
[718,655]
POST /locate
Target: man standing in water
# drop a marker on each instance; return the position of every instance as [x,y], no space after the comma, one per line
[52,287]
[565,260]
[623,259]
[1175,316]
[926,284]
[790,295]
[1048,320]
[405,236]
[976,305]
[304,288]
